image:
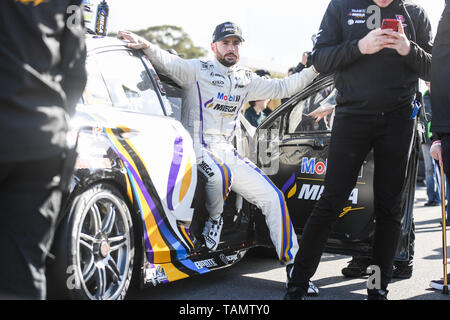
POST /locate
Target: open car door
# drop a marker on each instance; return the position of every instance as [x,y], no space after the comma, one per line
[292,149]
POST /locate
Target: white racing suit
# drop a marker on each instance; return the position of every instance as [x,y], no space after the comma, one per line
[213,97]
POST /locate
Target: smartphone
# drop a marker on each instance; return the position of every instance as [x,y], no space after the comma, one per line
[390,24]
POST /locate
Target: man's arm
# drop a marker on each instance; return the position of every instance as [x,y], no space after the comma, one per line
[419,58]
[302,64]
[73,58]
[178,69]
[262,89]
[417,55]
[331,53]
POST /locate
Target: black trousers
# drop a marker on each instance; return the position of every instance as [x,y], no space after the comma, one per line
[353,136]
[30,201]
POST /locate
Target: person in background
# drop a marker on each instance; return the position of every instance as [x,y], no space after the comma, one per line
[42,77]
[434,198]
[302,65]
[258,110]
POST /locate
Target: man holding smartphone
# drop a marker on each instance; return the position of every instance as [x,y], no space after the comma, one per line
[377,72]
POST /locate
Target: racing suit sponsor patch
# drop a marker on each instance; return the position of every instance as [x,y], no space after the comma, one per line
[206,168]
[213,75]
[230,98]
[206,65]
[225,108]
[218,83]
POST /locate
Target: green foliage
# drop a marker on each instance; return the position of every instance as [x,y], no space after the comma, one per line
[173,37]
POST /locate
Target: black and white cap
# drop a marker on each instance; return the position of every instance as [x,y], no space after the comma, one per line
[225,30]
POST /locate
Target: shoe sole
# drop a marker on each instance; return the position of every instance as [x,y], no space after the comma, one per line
[350,274]
[402,276]
[312,294]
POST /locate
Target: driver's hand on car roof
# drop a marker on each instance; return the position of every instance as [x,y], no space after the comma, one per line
[133,40]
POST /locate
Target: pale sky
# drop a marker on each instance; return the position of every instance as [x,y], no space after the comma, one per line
[276,31]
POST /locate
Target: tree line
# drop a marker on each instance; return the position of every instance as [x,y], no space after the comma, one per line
[170,37]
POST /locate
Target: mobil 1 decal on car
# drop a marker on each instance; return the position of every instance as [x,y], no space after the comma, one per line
[304,184]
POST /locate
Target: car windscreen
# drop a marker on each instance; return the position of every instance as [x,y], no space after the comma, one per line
[129,85]
[95,92]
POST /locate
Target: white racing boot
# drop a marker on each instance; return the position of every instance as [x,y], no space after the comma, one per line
[211,232]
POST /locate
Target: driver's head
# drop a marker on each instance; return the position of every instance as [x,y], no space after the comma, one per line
[227,39]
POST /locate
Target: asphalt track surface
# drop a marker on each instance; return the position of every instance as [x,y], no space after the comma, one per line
[256,279]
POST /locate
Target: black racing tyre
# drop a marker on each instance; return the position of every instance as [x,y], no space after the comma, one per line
[94,248]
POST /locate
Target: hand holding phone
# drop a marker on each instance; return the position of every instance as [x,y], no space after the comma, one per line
[396,39]
[390,24]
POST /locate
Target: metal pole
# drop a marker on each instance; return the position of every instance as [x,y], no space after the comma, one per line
[444,230]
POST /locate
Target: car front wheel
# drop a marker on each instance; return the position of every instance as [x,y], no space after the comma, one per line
[94,247]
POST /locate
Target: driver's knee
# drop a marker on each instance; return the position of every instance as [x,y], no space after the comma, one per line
[219,184]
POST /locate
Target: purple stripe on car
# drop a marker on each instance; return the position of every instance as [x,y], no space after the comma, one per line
[288,183]
[174,170]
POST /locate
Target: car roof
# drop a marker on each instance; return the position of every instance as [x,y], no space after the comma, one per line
[94,43]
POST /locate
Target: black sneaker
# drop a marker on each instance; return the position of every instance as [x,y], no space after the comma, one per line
[357,267]
[377,294]
[294,293]
[402,272]
[432,204]
[313,291]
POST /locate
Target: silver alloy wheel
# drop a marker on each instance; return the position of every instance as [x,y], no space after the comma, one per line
[103,247]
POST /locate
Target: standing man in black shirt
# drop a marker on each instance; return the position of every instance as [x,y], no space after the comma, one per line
[440,99]
[377,74]
[42,76]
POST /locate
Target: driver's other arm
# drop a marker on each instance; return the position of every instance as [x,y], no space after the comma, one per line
[180,70]
[262,89]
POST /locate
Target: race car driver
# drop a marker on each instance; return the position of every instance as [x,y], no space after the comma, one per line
[214,94]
